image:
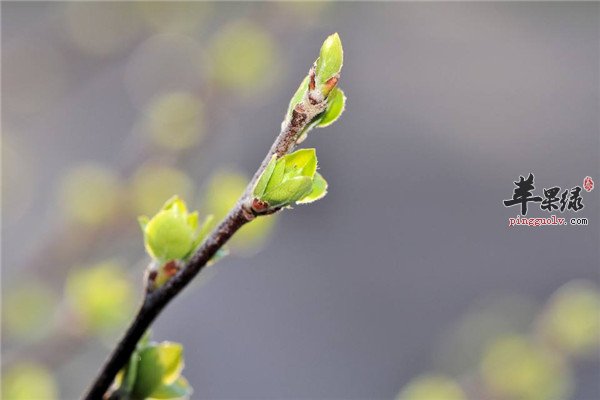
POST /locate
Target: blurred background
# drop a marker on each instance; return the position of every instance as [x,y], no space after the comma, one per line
[405,281]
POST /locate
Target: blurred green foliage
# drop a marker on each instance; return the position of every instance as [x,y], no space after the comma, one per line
[514,367]
[28,381]
[572,319]
[462,345]
[100,30]
[243,56]
[101,296]
[220,195]
[176,121]
[91,194]
[432,387]
[179,17]
[509,351]
[153,184]
[28,310]
[305,12]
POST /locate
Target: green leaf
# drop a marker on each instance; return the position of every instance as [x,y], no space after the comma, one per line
[180,389]
[261,185]
[173,233]
[318,191]
[336,102]
[171,360]
[302,162]
[288,192]
[130,373]
[192,220]
[168,236]
[175,204]
[159,364]
[299,95]
[277,176]
[330,59]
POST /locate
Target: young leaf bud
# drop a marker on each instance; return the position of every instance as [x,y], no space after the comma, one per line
[318,190]
[336,102]
[288,192]
[288,180]
[329,63]
[173,233]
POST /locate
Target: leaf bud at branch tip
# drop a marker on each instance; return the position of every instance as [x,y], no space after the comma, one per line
[331,58]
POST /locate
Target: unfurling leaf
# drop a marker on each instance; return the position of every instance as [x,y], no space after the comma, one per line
[291,179]
[288,192]
[302,162]
[173,233]
[318,190]
[299,95]
[159,364]
[278,173]
[261,185]
[154,372]
[336,102]
[130,372]
[180,389]
[331,59]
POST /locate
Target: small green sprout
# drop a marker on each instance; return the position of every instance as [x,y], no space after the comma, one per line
[326,74]
[329,64]
[154,372]
[173,233]
[291,179]
[336,103]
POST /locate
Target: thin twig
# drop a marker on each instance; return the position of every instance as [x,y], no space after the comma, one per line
[242,213]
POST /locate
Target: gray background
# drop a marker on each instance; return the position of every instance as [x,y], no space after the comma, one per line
[447,105]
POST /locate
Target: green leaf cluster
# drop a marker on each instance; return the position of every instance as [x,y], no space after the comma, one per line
[154,372]
[291,179]
[173,233]
[327,67]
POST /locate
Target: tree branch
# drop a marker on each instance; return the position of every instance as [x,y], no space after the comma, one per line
[242,213]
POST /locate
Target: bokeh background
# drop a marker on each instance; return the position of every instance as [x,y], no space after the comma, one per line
[404,281]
